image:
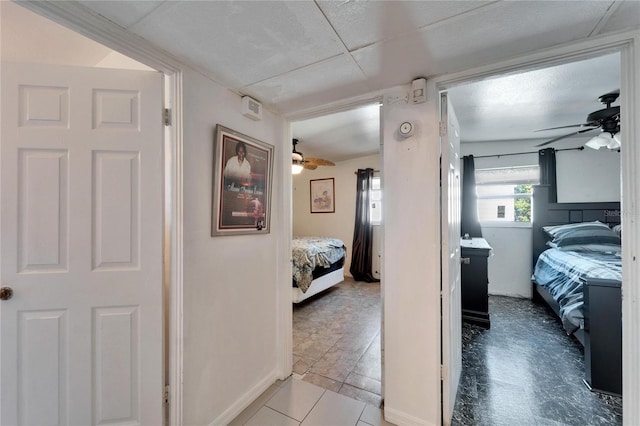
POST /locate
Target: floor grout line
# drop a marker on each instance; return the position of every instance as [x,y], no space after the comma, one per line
[351,317]
[314,406]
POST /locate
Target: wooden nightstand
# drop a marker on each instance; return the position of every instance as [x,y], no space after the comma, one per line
[475,281]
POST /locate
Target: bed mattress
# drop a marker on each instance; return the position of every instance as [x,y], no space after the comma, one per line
[314,256]
[561,271]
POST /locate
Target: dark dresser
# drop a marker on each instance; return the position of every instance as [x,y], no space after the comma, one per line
[603,335]
[475,299]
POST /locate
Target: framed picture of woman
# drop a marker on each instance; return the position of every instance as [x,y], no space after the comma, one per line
[242,174]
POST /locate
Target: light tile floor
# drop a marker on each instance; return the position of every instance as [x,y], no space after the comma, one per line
[336,340]
[295,402]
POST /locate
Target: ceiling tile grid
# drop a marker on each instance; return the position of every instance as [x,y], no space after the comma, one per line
[243,42]
[512,29]
[397,61]
[317,84]
[298,55]
[626,15]
[278,50]
[124,13]
[363,23]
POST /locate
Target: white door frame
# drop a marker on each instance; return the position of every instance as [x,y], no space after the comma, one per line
[628,44]
[79,19]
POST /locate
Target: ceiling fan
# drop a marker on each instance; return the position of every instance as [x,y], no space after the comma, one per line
[606,119]
[299,162]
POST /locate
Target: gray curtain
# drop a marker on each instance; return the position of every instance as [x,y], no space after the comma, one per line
[547,164]
[362,249]
[470,223]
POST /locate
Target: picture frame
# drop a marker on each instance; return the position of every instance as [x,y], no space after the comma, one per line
[322,195]
[242,176]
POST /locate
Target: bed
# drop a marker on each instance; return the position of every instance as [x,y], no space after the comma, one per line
[578,273]
[317,264]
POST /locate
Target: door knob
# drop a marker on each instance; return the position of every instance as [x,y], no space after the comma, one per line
[6,293]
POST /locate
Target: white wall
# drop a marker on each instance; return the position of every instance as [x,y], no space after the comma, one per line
[411,262]
[341,223]
[230,282]
[582,176]
[510,262]
[588,176]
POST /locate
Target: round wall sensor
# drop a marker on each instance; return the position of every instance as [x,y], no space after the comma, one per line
[406,129]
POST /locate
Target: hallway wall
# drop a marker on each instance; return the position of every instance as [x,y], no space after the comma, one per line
[230,284]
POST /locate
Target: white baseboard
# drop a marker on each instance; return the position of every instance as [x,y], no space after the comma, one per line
[403,419]
[245,400]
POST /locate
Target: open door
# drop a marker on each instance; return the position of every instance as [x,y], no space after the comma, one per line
[450,256]
[81,250]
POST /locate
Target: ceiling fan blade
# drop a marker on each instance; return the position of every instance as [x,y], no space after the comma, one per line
[564,127]
[566,136]
[319,161]
[308,166]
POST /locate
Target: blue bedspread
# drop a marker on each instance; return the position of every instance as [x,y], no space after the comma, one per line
[311,252]
[559,271]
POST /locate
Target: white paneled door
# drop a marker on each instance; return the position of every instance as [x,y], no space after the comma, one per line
[81,247]
[451,305]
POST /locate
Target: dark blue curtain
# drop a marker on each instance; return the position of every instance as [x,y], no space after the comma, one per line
[470,223]
[362,249]
[547,164]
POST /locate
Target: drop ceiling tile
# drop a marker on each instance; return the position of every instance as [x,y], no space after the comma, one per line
[123,13]
[243,42]
[486,36]
[321,83]
[626,16]
[397,61]
[512,29]
[362,23]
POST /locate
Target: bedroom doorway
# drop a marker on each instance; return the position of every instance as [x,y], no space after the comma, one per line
[506,269]
[336,330]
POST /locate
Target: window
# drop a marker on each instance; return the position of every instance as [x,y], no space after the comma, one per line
[504,194]
[375,204]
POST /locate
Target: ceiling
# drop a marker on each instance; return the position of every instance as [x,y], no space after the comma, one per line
[513,107]
[296,55]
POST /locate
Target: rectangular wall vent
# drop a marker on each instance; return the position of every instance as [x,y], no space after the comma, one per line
[251,108]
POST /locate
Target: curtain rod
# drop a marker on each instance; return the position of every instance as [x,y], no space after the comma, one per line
[375,171]
[522,153]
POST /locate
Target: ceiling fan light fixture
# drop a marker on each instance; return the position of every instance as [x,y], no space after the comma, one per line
[615,142]
[297,160]
[618,138]
[601,141]
[296,167]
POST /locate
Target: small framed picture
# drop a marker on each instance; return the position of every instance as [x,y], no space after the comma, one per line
[242,173]
[322,196]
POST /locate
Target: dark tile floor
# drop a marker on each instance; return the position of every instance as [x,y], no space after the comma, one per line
[526,371]
[336,340]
